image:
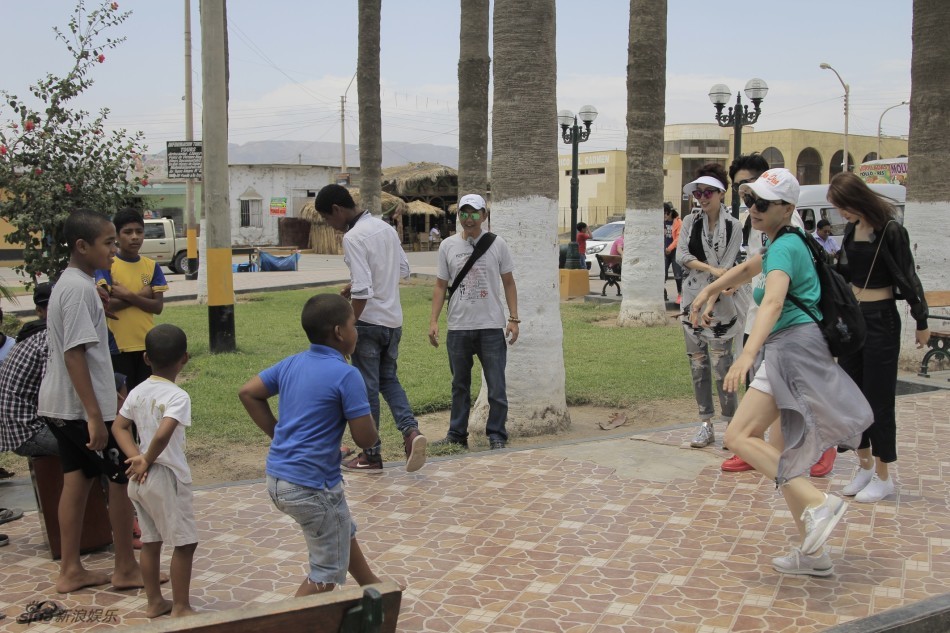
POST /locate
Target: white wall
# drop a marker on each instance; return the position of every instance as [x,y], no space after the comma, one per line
[271,181]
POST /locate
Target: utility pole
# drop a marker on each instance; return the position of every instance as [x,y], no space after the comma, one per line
[343,173]
[192,223]
[214,126]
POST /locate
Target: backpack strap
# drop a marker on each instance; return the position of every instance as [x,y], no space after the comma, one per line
[785,230]
[480,249]
[696,238]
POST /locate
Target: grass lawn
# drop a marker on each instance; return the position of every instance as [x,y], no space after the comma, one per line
[605,365]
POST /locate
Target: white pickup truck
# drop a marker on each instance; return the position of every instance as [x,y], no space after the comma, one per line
[164,246]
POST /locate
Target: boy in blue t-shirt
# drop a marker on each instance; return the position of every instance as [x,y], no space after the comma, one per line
[320,393]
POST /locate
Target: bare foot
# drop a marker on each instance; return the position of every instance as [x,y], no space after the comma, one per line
[155,610]
[80,579]
[134,580]
[181,613]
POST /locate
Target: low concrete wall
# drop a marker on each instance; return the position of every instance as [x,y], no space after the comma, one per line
[927,616]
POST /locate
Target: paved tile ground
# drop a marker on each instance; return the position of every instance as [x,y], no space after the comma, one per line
[534,541]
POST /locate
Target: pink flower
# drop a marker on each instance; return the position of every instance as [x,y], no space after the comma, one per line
[115,6]
[69,188]
[145,182]
[101,58]
[29,125]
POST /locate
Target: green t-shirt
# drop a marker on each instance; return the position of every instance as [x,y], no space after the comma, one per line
[790,255]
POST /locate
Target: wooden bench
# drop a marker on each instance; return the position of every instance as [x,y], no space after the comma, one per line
[370,609]
[939,342]
[609,272]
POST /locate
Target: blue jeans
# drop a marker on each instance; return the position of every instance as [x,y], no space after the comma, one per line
[492,351]
[377,350]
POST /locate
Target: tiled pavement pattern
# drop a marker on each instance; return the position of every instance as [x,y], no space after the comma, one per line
[529,542]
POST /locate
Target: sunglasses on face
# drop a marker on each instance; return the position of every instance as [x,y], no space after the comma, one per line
[761,204]
[699,194]
[473,215]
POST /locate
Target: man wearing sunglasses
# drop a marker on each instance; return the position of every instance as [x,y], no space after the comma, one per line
[373,252]
[477,325]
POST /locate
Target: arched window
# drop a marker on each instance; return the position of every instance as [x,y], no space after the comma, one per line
[773,157]
[835,166]
[808,167]
[871,156]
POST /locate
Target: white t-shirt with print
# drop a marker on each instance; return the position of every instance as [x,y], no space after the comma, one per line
[476,304]
[149,403]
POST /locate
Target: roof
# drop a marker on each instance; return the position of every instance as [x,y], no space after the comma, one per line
[407,179]
[418,206]
[390,204]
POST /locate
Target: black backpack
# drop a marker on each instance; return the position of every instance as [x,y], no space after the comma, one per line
[842,322]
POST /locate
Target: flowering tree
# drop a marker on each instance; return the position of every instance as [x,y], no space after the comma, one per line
[54,159]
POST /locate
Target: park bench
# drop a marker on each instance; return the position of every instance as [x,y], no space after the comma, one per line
[609,272]
[370,609]
[939,342]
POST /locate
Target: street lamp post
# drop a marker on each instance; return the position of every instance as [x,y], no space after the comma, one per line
[573,134]
[881,120]
[847,93]
[737,117]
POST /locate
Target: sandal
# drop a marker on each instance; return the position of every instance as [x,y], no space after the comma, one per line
[615,420]
[10,514]
[6,474]
[42,611]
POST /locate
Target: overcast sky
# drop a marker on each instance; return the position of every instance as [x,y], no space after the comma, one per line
[291,60]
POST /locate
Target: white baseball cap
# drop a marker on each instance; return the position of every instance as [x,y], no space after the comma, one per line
[775,184]
[472,200]
[703,180]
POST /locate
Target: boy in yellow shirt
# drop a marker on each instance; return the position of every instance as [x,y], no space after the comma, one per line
[137,286]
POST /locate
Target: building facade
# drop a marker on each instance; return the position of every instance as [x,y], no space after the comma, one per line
[813,156]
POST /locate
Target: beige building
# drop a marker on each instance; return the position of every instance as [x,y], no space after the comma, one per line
[813,156]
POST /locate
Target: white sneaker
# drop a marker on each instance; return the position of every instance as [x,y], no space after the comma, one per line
[861,479]
[705,436]
[797,563]
[876,490]
[819,521]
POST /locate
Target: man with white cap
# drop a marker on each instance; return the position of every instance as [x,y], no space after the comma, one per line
[478,265]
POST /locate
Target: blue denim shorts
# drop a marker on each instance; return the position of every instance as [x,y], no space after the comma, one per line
[326,523]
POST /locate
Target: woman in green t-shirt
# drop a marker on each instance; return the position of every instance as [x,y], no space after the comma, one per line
[796,377]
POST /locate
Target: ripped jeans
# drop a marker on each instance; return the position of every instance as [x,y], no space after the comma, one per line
[699,351]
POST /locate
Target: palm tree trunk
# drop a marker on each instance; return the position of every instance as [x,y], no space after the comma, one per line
[642,284]
[524,208]
[367,84]
[925,215]
[474,67]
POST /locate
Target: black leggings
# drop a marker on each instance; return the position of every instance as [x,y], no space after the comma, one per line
[677,271]
[874,369]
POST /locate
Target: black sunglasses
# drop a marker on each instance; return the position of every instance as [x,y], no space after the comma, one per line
[761,204]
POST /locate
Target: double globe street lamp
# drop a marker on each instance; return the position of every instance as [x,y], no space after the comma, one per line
[573,134]
[737,117]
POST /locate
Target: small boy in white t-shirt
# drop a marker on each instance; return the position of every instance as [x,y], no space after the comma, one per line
[159,477]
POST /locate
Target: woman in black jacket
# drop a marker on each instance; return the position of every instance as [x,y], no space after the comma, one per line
[877,260]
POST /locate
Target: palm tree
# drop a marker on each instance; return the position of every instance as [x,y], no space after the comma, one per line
[474,66]
[524,207]
[367,84]
[646,103]
[929,146]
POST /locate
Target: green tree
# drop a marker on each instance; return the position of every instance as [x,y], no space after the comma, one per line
[55,158]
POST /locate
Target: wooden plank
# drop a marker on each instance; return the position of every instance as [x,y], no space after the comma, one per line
[322,613]
[938,298]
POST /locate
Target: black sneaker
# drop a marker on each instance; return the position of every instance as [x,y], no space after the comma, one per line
[496,443]
[372,464]
[450,441]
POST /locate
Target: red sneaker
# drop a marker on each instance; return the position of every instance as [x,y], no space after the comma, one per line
[735,464]
[825,463]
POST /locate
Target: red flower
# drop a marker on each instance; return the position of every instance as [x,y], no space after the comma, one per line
[115,6]
[69,188]
[101,58]
[38,171]
[3,150]
[145,182]
[29,125]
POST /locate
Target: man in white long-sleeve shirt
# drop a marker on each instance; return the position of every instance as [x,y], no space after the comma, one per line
[374,255]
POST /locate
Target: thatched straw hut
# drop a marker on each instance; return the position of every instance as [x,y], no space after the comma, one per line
[430,182]
[324,239]
[422,208]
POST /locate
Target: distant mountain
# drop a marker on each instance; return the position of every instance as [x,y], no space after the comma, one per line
[326,153]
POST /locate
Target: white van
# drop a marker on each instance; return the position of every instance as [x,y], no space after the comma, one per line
[813,205]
